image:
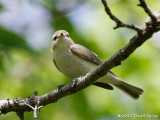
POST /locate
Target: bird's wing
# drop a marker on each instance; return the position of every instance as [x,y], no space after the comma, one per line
[85,53]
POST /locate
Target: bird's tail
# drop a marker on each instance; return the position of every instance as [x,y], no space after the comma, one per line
[129,89]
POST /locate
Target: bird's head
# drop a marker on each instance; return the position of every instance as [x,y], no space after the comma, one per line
[60,39]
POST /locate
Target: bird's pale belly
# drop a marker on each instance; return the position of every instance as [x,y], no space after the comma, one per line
[74,66]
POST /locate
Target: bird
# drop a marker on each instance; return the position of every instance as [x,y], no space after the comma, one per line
[75,60]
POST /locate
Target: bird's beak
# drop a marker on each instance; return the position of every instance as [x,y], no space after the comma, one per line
[62,35]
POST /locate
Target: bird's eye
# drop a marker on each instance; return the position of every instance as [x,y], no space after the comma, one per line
[67,35]
[55,38]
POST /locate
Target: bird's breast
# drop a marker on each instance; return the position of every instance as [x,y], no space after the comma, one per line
[72,65]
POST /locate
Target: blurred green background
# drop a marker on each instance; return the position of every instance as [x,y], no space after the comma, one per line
[26,28]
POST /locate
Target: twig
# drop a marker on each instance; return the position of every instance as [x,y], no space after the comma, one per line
[20,115]
[118,22]
[37,107]
[147,10]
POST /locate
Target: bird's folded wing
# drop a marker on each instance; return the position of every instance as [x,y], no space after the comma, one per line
[85,53]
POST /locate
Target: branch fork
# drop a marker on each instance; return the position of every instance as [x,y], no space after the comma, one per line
[36,107]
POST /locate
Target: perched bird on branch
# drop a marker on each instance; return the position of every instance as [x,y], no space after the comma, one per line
[75,60]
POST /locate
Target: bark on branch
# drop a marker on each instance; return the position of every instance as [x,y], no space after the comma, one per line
[20,105]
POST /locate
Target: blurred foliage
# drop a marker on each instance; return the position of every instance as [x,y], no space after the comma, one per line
[1,7]
[9,40]
[24,69]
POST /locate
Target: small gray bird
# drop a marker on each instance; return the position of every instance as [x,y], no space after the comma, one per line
[75,60]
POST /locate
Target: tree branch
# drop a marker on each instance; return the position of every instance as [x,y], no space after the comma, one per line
[147,10]
[118,22]
[22,105]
